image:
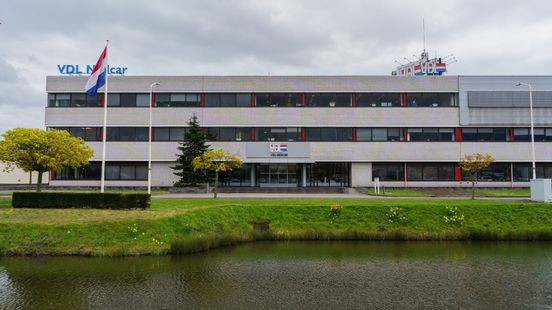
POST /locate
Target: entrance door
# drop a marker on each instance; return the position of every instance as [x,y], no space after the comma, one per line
[277,175]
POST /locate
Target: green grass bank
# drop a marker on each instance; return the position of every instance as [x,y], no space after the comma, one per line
[190,225]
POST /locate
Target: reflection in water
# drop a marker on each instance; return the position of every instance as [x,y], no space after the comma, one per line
[291,275]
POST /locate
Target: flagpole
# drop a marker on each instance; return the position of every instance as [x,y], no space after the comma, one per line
[104,131]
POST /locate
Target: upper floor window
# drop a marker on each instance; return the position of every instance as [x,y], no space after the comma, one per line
[484,134]
[169,133]
[278,134]
[127,134]
[378,100]
[278,100]
[177,100]
[430,134]
[328,100]
[227,100]
[128,100]
[86,133]
[329,134]
[524,134]
[431,100]
[73,100]
[228,133]
[379,134]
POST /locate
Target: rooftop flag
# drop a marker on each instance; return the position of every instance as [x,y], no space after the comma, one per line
[98,75]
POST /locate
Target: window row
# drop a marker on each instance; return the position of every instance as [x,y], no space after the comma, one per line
[496,172]
[258,99]
[113,171]
[415,134]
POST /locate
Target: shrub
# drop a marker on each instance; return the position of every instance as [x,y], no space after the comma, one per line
[453,217]
[80,200]
[335,211]
[396,215]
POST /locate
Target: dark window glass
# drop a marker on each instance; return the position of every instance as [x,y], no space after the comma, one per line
[88,172]
[127,172]
[431,134]
[323,174]
[364,134]
[127,134]
[378,100]
[112,172]
[141,172]
[484,134]
[330,134]
[227,134]
[63,100]
[212,100]
[113,100]
[243,100]
[177,100]
[278,100]
[78,100]
[227,100]
[142,100]
[128,100]
[161,134]
[430,171]
[498,172]
[313,134]
[379,134]
[328,100]
[394,134]
[177,133]
[388,171]
[522,134]
[277,134]
[430,100]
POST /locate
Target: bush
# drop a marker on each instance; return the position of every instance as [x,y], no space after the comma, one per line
[80,200]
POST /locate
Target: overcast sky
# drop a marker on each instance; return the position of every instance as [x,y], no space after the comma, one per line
[283,37]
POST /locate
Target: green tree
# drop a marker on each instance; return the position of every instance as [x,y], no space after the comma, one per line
[218,161]
[32,149]
[474,163]
[194,145]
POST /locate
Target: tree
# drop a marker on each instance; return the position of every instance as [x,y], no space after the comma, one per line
[193,146]
[216,160]
[474,163]
[33,149]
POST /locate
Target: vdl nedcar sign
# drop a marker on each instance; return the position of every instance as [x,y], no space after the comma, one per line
[77,69]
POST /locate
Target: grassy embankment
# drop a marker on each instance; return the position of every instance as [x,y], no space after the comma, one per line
[188,225]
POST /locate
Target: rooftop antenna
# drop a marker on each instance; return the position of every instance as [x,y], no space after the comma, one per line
[423,32]
[399,63]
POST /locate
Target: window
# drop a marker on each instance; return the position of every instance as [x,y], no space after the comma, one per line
[431,100]
[378,100]
[379,134]
[73,100]
[523,171]
[278,100]
[278,134]
[127,134]
[86,133]
[227,100]
[327,174]
[92,171]
[177,100]
[524,134]
[484,134]
[498,172]
[328,100]
[329,134]
[169,133]
[388,171]
[430,134]
[228,133]
[430,171]
[126,171]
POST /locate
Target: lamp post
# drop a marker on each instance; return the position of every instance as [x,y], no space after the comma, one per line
[149,134]
[532,129]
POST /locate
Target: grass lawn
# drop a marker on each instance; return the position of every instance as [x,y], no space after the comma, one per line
[187,225]
[399,192]
[503,192]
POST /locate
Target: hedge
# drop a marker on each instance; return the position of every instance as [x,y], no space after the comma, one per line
[80,200]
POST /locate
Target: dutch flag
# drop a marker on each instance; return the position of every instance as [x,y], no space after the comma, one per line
[98,75]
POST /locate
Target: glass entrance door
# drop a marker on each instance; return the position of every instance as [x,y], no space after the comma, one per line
[277,175]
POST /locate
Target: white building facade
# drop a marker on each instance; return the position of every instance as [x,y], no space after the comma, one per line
[311,131]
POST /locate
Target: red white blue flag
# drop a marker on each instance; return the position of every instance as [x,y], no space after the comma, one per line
[98,75]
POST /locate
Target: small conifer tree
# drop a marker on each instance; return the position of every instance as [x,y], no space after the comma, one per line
[194,145]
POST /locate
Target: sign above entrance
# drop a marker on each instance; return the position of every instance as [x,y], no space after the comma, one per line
[278,149]
[274,151]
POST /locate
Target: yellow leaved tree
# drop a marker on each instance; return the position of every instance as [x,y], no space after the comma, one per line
[33,149]
[216,160]
[472,164]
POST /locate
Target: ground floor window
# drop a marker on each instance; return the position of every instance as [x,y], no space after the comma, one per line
[328,174]
[237,177]
[496,172]
[388,171]
[114,171]
[430,171]
[523,171]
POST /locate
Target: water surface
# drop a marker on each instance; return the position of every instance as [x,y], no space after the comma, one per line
[338,275]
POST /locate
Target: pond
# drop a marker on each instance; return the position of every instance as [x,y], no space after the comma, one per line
[353,275]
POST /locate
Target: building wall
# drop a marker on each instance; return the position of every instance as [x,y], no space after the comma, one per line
[20,177]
